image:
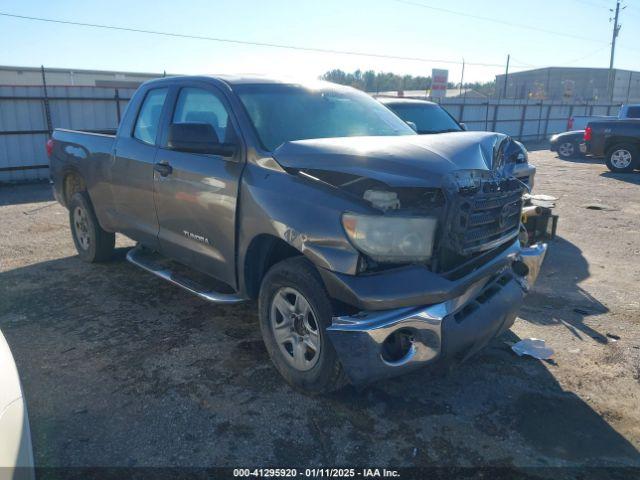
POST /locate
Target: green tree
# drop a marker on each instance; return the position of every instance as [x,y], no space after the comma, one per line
[374,82]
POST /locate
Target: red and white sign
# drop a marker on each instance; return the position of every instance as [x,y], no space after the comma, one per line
[439,80]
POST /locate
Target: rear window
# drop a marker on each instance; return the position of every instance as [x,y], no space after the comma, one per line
[426,117]
[146,128]
[633,112]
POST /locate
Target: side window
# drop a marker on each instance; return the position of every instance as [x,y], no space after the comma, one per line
[201,106]
[148,120]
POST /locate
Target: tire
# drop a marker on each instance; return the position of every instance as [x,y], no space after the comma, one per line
[92,242]
[311,371]
[567,150]
[622,158]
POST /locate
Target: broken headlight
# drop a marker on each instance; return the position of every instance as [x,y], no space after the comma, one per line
[391,239]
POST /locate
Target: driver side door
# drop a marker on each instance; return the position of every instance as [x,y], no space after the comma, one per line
[196,194]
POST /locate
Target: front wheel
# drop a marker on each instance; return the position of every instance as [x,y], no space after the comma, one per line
[567,150]
[622,158]
[92,242]
[295,312]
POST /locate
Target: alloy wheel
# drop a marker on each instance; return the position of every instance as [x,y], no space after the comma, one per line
[566,149]
[81,227]
[621,158]
[295,328]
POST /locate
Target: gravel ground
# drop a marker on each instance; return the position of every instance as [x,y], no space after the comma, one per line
[121,369]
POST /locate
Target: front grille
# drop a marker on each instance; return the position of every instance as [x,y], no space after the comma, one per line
[487,218]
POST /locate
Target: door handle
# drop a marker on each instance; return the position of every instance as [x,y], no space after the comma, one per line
[163,169]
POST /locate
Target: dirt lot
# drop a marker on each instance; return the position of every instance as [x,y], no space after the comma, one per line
[121,369]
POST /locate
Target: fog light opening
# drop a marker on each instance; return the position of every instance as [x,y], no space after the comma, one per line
[520,268]
[398,347]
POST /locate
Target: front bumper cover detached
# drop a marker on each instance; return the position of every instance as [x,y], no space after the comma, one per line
[451,330]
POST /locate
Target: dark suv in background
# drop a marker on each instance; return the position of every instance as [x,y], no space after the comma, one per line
[429,118]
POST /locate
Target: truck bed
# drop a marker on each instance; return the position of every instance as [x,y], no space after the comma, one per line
[82,152]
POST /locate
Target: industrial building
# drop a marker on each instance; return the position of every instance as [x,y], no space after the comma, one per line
[24,76]
[570,85]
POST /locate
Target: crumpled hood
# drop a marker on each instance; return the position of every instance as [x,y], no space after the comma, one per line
[402,161]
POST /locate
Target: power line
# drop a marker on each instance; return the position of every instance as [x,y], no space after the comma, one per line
[498,21]
[245,42]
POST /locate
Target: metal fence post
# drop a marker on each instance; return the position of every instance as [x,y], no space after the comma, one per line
[570,114]
[539,119]
[486,117]
[495,116]
[45,102]
[522,120]
[546,122]
[117,99]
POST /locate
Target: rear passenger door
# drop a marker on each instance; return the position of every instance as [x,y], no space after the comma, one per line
[131,175]
[196,196]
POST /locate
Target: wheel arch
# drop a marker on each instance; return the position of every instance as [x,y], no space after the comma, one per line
[72,183]
[264,251]
[615,141]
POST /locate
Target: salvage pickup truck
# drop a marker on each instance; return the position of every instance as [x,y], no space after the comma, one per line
[618,141]
[371,250]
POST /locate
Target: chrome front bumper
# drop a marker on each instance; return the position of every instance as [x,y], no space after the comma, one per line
[453,330]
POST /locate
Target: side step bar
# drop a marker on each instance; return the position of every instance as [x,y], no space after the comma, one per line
[138,257]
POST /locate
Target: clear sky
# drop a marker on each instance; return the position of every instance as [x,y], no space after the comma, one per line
[387,27]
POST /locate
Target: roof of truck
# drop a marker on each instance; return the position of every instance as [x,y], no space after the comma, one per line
[249,79]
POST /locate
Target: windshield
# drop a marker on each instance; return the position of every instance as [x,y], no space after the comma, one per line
[427,118]
[283,113]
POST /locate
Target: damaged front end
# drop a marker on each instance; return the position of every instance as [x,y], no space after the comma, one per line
[441,270]
[464,184]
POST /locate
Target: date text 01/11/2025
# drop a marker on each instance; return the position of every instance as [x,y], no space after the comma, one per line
[316,473]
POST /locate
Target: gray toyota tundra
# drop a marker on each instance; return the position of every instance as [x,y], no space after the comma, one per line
[371,250]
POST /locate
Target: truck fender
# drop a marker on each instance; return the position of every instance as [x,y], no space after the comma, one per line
[304,215]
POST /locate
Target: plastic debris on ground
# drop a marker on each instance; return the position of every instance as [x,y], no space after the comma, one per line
[545,201]
[533,347]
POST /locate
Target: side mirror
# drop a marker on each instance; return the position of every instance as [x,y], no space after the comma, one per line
[197,138]
[463,126]
[413,126]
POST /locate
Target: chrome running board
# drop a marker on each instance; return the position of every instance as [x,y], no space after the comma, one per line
[143,259]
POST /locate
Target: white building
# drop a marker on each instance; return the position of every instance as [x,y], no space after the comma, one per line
[24,76]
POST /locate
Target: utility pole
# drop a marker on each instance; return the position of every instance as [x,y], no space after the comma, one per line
[506,76]
[462,77]
[616,30]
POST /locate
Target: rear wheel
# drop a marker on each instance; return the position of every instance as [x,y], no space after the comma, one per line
[295,312]
[622,158]
[92,242]
[567,149]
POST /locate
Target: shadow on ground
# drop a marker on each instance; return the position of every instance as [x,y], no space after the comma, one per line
[122,369]
[632,177]
[558,297]
[25,193]
[581,159]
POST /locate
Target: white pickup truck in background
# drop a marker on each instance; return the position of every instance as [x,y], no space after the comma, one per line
[579,122]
